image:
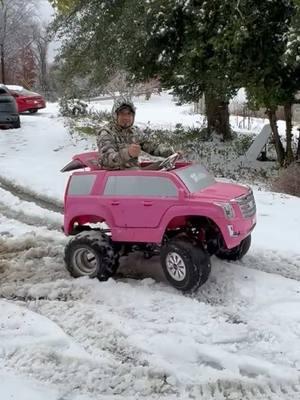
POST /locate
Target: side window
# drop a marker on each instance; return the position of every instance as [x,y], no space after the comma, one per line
[81,185]
[148,186]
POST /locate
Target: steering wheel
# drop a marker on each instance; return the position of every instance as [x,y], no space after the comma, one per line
[166,164]
[169,162]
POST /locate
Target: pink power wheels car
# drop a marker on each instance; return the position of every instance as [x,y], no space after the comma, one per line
[170,208]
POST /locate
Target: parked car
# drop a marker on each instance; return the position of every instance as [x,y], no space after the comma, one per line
[9,116]
[173,209]
[27,100]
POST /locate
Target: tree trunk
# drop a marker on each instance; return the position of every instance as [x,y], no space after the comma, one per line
[217,113]
[278,144]
[298,147]
[41,55]
[2,63]
[289,156]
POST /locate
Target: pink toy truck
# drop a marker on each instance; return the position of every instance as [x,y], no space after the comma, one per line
[172,208]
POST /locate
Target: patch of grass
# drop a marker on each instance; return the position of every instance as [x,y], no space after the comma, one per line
[87,130]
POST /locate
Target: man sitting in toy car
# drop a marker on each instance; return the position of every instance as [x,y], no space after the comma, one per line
[120,143]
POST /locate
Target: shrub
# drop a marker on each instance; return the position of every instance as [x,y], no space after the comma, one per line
[72,107]
[289,180]
[242,143]
[88,124]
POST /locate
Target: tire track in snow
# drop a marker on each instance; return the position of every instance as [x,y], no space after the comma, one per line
[30,220]
[237,390]
[117,362]
[34,270]
[32,259]
[27,210]
[116,344]
[26,194]
[122,366]
[272,262]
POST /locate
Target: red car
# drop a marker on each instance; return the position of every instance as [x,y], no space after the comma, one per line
[26,100]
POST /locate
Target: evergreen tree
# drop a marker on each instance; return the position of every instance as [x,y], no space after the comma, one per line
[194,47]
[187,44]
[173,40]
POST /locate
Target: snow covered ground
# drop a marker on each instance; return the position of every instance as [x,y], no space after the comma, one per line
[66,339]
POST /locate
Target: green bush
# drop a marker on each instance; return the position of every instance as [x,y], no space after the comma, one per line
[72,107]
[242,143]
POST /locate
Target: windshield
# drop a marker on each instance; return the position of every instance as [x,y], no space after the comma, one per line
[195,177]
[26,92]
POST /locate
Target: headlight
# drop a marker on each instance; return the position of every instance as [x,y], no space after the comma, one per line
[228,209]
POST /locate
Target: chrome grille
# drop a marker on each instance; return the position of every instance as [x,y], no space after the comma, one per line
[247,204]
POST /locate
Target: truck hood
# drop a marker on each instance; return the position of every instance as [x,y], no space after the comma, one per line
[221,191]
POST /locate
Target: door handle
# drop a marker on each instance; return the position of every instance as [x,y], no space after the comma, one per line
[148,203]
[115,203]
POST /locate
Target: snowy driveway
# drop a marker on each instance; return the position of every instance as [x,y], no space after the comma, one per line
[61,338]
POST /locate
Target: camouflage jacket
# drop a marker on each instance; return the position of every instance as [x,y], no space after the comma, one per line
[113,142]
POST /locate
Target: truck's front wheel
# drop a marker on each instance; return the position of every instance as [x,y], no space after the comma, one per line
[91,253]
[237,252]
[185,266]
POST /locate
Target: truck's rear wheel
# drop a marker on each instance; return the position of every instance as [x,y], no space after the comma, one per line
[91,253]
[185,266]
[236,253]
[17,124]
